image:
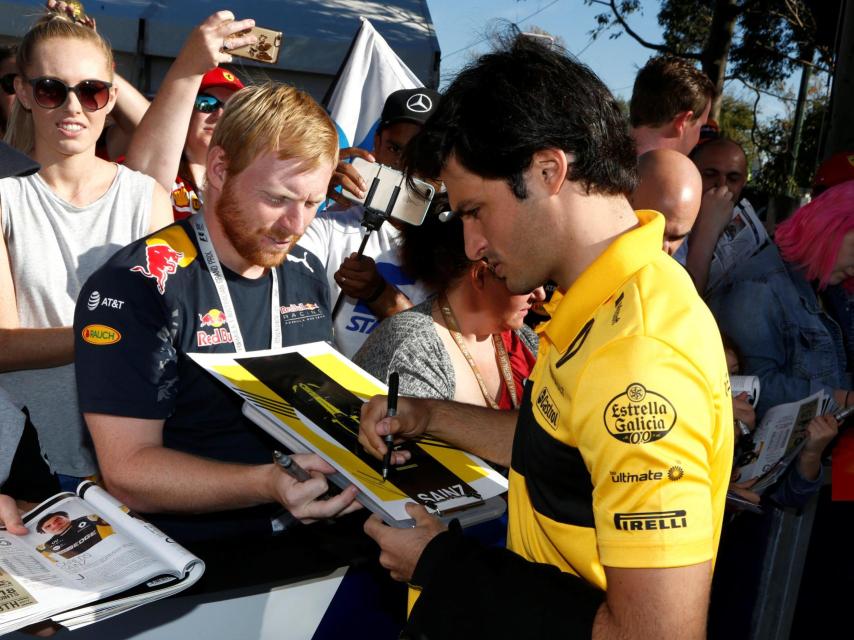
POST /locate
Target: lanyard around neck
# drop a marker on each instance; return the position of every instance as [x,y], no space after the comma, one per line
[500,353]
[215,270]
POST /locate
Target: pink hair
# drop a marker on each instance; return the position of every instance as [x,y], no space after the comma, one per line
[813,236]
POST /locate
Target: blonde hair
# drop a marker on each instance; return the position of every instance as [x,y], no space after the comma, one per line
[275,117]
[52,26]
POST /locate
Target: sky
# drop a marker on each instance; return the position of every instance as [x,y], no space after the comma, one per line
[462,24]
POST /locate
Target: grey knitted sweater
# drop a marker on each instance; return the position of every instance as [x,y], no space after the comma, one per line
[408,343]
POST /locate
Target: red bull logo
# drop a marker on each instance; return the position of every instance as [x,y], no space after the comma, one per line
[213,318]
[161,261]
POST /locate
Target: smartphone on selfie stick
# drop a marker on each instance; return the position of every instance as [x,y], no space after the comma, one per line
[390,195]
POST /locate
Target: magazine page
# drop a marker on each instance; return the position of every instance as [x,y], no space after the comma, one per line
[743,236]
[781,432]
[71,556]
[309,397]
[173,555]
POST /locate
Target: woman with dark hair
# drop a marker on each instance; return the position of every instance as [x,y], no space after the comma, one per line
[468,342]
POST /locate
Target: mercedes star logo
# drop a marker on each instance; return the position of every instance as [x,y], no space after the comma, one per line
[419,103]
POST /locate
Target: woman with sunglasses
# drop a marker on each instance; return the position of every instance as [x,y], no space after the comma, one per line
[173,137]
[61,224]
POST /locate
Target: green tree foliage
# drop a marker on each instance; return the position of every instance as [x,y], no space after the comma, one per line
[758,41]
[736,122]
[774,140]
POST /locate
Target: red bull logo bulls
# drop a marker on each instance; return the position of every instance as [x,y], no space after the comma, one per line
[213,318]
[161,261]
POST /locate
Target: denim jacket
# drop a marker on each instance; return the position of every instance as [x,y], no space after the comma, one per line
[773,315]
[771,312]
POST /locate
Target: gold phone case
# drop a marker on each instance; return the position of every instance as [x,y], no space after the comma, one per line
[266,49]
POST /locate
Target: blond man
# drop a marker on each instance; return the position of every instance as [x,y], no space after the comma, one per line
[168,438]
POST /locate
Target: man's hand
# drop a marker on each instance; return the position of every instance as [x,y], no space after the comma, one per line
[410,422]
[208,44]
[347,177]
[820,431]
[358,277]
[715,212]
[301,498]
[400,549]
[743,410]
[11,517]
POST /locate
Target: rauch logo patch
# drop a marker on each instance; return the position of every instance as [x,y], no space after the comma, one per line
[639,415]
[100,334]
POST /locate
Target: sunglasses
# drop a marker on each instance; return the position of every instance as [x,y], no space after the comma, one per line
[7,83]
[51,93]
[208,104]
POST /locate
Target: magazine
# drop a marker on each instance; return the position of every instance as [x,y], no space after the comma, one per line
[309,398]
[743,236]
[777,441]
[86,558]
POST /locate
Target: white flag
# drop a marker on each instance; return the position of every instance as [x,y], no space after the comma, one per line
[372,72]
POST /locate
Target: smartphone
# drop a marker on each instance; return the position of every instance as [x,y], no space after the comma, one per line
[748,384]
[266,48]
[411,204]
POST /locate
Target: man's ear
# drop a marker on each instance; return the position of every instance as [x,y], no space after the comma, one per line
[681,120]
[216,169]
[550,168]
[478,275]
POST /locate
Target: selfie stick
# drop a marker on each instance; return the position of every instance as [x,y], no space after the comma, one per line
[372,220]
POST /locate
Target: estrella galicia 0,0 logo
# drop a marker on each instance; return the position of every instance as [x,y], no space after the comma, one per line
[639,415]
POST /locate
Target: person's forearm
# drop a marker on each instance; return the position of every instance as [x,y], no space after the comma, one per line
[390,302]
[35,348]
[701,249]
[158,143]
[161,480]
[809,465]
[487,433]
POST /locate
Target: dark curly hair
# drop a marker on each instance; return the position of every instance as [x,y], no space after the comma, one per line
[524,97]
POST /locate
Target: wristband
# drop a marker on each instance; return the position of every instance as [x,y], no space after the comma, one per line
[377,292]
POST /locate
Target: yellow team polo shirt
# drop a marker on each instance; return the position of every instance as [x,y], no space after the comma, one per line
[624,445]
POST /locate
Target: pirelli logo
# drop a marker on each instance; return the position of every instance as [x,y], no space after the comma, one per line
[651,520]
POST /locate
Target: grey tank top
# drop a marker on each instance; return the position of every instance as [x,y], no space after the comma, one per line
[53,249]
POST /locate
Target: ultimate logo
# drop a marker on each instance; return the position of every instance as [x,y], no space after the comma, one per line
[638,415]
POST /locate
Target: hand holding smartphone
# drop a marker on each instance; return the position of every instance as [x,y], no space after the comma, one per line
[411,204]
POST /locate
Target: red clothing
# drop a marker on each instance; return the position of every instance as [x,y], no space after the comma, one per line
[185,200]
[521,364]
[842,468]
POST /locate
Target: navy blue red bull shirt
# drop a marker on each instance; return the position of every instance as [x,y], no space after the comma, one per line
[154,302]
